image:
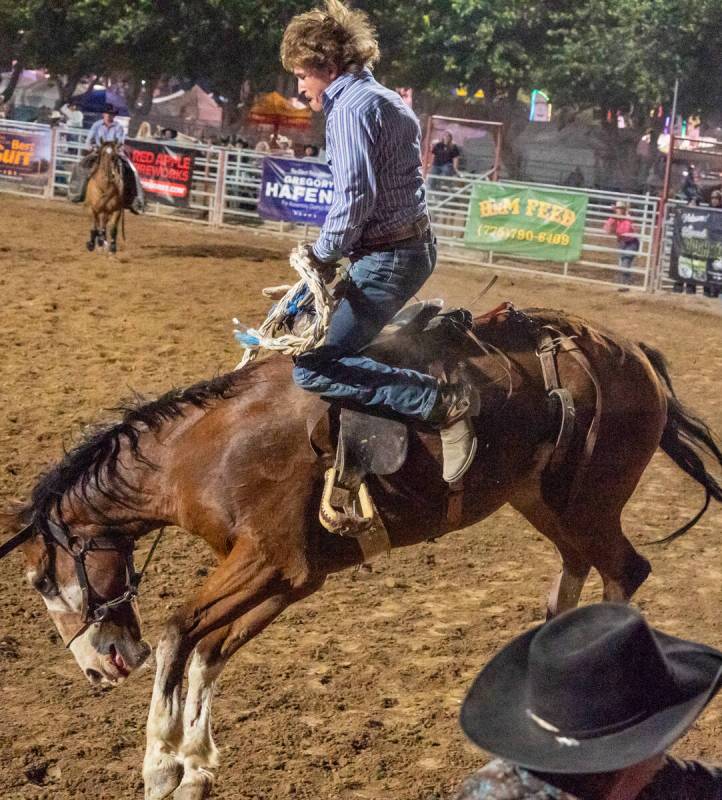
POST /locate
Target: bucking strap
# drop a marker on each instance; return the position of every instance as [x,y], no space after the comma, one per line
[546,351]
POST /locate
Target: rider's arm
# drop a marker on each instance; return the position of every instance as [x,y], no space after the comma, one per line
[350,139]
[91,141]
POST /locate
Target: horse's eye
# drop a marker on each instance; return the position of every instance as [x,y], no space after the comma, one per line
[45,586]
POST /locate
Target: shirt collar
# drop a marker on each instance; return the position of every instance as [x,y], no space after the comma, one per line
[334,89]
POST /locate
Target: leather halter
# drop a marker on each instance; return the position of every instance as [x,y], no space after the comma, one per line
[77,547]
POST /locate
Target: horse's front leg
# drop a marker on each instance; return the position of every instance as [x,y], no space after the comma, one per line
[90,244]
[162,770]
[243,582]
[114,232]
[198,750]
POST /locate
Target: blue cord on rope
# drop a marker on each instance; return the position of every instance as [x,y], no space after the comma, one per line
[246,339]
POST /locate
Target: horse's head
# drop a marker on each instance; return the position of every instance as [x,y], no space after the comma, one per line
[88,585]
[108,151]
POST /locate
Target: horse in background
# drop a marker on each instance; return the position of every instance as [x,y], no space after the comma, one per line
[105,196]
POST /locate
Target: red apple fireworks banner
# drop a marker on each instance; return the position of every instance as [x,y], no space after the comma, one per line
[166,171]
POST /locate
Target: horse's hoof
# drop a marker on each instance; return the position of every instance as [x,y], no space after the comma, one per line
[163,780]
[90,246]
[113,247]
[197,788]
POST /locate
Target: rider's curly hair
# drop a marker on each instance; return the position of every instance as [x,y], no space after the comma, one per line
[334,37]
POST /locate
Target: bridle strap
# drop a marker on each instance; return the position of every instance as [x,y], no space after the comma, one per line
[20,537]
[77,547]
[99,613]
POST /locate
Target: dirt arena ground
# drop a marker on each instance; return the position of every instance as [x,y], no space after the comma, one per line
[355,692]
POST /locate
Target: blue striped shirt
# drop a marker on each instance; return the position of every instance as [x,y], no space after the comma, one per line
[373,146]
[100,132]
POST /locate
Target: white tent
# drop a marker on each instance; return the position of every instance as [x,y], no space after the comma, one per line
[43,92]
[194,107]
[27,77]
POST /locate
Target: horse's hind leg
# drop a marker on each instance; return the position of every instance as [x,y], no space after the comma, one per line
[567,587]
[622,568]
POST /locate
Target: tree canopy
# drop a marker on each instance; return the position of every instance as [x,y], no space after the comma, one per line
[607,54]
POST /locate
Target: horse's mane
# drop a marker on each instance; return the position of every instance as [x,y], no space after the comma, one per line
[92,465]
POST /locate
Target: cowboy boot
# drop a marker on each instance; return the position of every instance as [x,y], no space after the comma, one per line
[451,415]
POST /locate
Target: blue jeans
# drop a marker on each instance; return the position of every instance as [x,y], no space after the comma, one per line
[379,285]
[631,246]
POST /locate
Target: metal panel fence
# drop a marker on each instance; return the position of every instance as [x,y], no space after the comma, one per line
[226,186]
[449,202]
[662,279]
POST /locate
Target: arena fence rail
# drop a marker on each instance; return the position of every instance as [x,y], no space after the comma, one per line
[226,184]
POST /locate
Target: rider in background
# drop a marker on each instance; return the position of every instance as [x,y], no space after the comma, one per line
[105,130]
[378,219]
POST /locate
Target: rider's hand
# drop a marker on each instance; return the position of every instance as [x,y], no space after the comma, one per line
[327,271]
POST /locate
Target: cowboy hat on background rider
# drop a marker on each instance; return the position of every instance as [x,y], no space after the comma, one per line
[105,130]
[378,219]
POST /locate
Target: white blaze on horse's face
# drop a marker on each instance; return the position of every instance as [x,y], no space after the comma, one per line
[108,651]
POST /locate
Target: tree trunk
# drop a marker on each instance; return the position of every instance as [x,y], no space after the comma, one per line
[67,88]
[513,116]
[9,90]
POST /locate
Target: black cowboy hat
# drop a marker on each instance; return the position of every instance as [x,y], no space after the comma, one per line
[594,690]
[109,108]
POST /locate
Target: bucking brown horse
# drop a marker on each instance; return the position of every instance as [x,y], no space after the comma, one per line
[229,460]
[104,197]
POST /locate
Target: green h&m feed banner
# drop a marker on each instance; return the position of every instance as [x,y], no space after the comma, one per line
[534,223]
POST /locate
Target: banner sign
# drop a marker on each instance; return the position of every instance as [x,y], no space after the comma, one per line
[295,191]
[534,223]
[166,171]
[25,156]
[697,246]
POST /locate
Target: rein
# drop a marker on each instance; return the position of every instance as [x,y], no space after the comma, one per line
[76,547]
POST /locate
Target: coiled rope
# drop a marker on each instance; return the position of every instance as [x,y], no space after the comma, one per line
[309,293]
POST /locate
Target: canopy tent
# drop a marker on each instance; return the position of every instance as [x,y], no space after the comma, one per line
[43,92]
[192,106]
[27,76]
[275,110]
[95,99]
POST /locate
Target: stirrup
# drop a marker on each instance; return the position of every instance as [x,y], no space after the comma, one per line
[338,512]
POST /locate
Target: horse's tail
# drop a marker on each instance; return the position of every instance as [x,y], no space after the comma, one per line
[685,439]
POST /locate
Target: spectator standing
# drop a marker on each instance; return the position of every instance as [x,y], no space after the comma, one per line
[445,157]
[690,189]
[73,115]
[310,152]
[575,177]
[586,706]
[620,224]
[715,200]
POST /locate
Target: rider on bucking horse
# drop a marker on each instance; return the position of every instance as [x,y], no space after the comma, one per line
[378,219]
[108,130]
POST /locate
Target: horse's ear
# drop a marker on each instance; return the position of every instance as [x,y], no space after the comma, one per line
[14,517]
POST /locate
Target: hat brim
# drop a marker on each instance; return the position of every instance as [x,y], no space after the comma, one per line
[495,715]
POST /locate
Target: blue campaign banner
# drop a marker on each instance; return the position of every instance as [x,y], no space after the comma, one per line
[295,191]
